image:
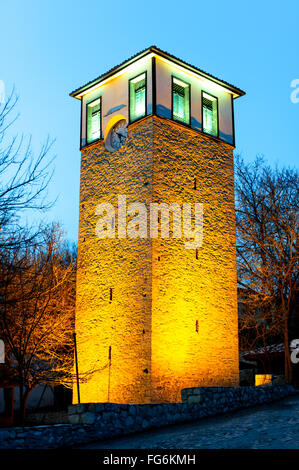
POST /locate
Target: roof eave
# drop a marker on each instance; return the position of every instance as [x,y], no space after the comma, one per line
[237,92]
[111,72]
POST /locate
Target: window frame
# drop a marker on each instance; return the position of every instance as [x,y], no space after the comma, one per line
[217,108]
[189,87]
[86,119]
[129,97]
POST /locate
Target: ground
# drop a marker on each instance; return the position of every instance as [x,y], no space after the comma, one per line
[274,426]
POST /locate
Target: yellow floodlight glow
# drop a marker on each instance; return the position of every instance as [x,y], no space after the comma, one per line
[208,83]
[135,65]
[130,68]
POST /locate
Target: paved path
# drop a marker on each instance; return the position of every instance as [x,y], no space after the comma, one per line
[274,426]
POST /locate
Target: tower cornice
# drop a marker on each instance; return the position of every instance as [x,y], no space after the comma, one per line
[154,51]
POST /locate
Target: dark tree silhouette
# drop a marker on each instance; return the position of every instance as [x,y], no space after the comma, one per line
[24,177]
[267,250]
[37,301]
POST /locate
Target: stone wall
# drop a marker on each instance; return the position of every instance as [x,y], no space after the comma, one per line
[169,314]
[194,327]
[224,399]
[113,295]
[96,421]
[35,418]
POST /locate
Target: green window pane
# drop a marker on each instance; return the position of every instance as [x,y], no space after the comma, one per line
[209,114]
[93,121]
[137,97]
[180,101]
[140,102]
[178,105]
[96,124]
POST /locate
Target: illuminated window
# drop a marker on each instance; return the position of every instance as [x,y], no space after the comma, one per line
[210,114]
[137,97]
[93,120]
[180,101]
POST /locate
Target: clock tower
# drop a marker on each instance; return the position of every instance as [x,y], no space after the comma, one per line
[153,317]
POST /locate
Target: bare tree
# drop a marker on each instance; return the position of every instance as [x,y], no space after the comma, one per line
[267,249]
[24,177]
[37,300]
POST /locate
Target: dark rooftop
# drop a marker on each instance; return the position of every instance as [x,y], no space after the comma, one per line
[160,52]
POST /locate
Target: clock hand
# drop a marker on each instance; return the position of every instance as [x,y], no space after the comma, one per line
[120,135]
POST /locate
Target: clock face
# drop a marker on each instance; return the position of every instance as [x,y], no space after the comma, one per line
[116,136]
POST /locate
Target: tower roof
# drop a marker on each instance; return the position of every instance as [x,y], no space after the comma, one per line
[157,52]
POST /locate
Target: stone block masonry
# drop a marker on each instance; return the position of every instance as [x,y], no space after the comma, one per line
[167,314]
[95,421]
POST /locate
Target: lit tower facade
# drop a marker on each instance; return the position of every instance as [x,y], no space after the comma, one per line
[153,317]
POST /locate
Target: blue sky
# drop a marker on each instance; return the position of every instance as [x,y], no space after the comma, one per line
[49,48]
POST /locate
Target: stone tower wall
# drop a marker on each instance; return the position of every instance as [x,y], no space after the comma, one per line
[172,319]
[194,301]
[123,265]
